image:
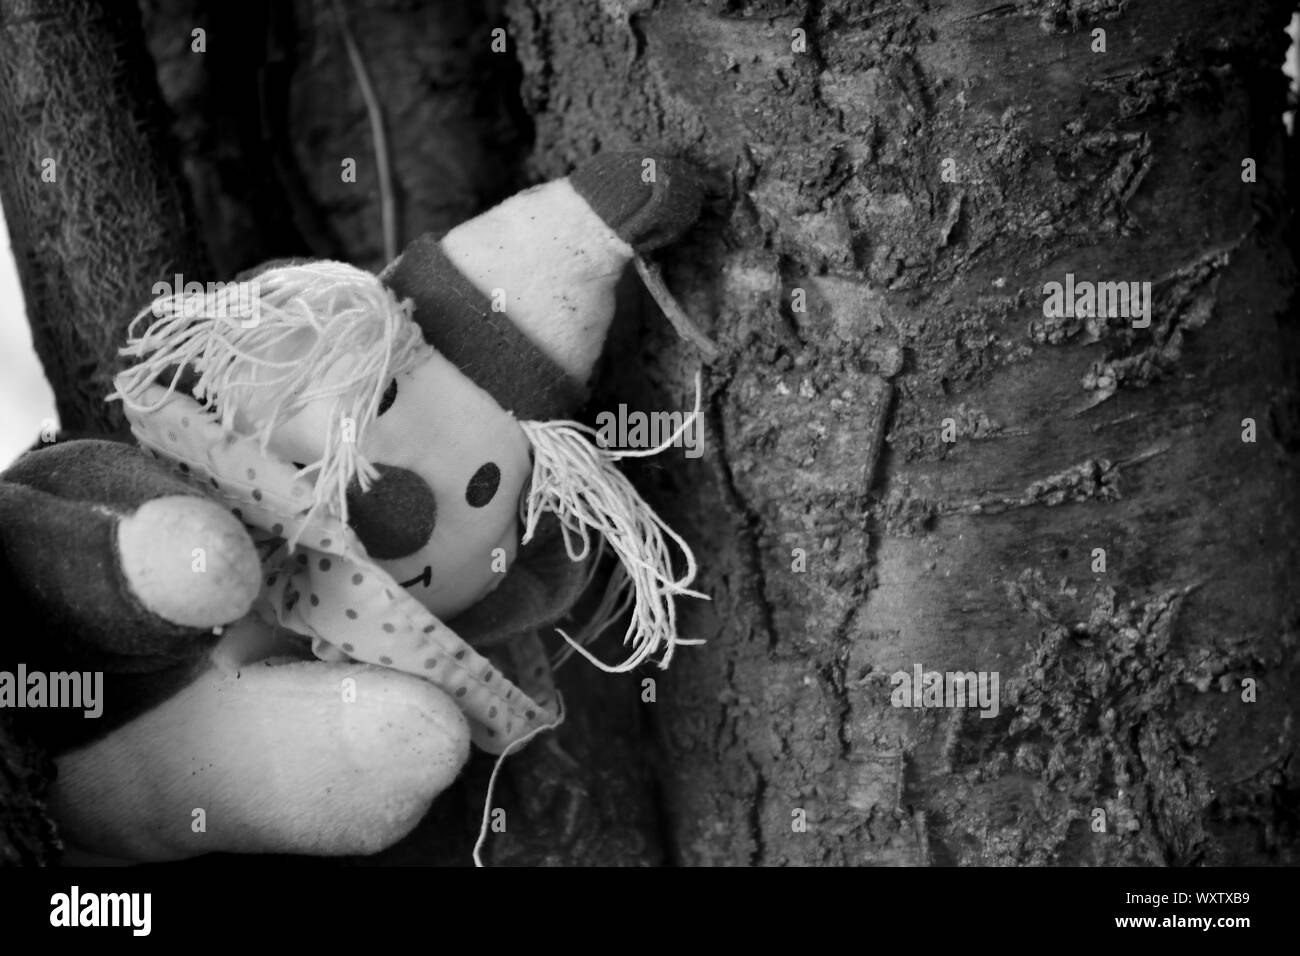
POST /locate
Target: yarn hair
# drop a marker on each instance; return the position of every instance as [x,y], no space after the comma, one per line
[575,479]
[279,344]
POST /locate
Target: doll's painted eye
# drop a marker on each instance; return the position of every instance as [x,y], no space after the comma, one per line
[389,396]
[483,485]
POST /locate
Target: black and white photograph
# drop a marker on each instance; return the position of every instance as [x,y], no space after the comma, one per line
[650,435]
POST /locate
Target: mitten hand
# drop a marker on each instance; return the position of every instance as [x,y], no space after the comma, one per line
[178,744]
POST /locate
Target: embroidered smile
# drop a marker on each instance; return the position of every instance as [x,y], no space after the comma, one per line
[425,577]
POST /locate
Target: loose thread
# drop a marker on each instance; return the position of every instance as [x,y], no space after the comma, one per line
[496,768]
[614,603]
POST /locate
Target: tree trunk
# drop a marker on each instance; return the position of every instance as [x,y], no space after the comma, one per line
[864,297]
[90,190]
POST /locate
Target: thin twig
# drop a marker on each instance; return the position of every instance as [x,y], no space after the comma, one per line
[687,329]
[387,205]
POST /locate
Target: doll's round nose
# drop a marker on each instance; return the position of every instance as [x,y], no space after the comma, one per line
[396,516]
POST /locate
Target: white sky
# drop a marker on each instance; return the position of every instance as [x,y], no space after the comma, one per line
[26,400]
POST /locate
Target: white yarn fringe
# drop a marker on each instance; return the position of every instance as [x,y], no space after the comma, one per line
[352,318]
[576,479]
[614,603]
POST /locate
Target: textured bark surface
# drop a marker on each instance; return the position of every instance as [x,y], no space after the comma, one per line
[89,189]
[1121,691]
[840,538]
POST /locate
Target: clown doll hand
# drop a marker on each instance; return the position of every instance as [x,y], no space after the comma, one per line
[180,744]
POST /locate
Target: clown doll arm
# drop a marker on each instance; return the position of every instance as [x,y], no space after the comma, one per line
[290,756]
[97,565]
[169,560]
[125,570]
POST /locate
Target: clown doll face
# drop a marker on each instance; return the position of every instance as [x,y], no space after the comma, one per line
[442,518]
[442,515]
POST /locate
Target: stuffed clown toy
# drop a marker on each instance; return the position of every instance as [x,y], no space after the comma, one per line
[378,468]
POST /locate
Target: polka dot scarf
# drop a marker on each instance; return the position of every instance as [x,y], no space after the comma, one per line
[326,587]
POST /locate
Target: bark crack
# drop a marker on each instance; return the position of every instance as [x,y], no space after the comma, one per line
[756,812]
[755,579]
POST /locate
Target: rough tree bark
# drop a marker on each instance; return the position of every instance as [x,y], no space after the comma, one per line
[1121,691]
[90,189]
[862,297]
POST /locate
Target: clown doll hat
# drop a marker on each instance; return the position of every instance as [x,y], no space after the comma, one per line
[386,439]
